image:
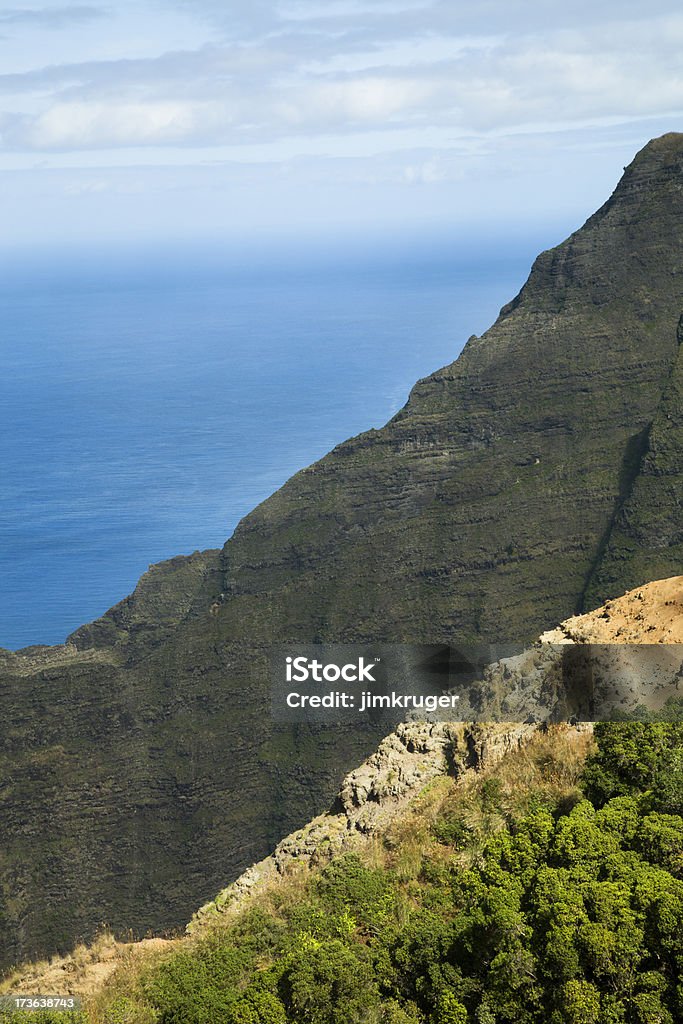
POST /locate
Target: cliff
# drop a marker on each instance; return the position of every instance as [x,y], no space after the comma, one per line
[380,797]
[139,768]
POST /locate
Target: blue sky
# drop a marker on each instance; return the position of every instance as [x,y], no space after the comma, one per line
[193,119]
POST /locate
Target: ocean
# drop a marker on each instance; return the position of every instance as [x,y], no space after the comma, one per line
[151,398]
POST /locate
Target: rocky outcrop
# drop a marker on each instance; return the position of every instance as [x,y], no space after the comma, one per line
[617,661]
[371,797]
[650,614]
[380,790]
[139,766]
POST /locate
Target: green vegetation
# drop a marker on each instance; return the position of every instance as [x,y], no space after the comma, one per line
[638,758]
[43,1017]
[515,898]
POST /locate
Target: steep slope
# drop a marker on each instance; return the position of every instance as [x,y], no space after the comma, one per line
[492,504]
[378,798]
[481,509]
[647,534]
[427,760]
[547,891]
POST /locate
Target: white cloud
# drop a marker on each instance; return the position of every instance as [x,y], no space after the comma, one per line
[297,83]
[197,115]
[384,98]
[429,172]
[88,125]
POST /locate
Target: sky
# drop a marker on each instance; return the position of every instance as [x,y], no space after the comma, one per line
[173,120]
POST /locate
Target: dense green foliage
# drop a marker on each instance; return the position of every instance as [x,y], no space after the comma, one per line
[638,758]
[568,915]
[43,1017]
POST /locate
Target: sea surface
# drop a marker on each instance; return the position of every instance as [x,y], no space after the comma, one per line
[150,399]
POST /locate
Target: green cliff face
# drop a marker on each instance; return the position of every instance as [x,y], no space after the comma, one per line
[647,534]
[537,473]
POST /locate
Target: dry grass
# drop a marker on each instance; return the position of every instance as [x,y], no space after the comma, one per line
[98,972]
[545,770]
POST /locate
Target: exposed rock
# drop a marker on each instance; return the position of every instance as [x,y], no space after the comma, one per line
[614,661]
[650,614]
[372,796]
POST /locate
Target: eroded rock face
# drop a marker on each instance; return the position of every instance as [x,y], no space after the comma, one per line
[403,763]
[372,796]
[621,658]
[541,466]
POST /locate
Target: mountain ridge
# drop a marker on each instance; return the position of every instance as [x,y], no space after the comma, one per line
[515,485]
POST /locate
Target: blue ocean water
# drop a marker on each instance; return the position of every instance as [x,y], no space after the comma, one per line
[149,400]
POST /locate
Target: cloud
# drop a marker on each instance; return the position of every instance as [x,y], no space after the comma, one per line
[381,21]
[306,71]
[45,17]
[534,188]
[92,125]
